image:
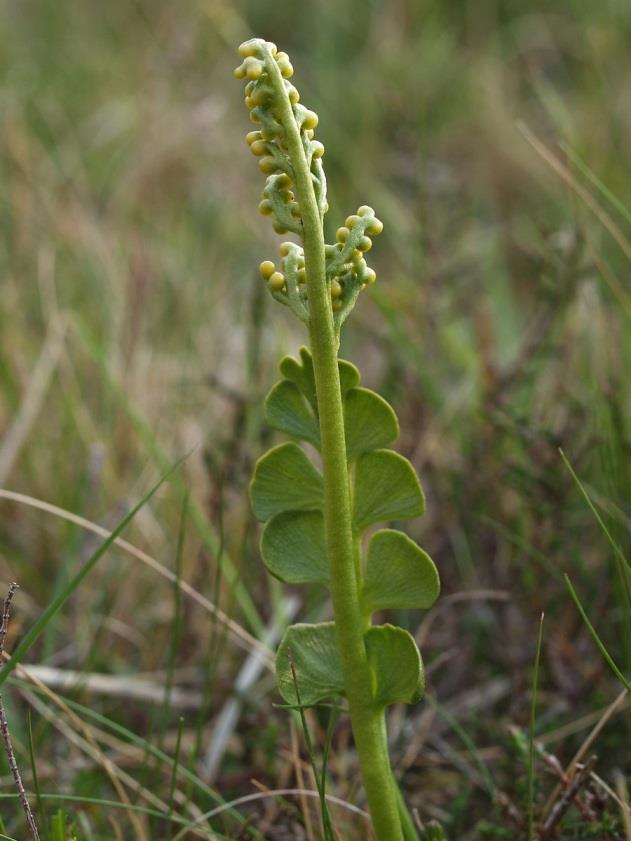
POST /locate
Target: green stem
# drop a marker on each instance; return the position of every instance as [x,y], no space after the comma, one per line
[367,721]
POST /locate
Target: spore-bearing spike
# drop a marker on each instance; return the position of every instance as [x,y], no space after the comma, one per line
[266,72]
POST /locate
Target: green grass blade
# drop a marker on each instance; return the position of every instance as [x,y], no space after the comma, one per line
[151,750]
[113,804]
[622,567]
[531,734]
[320,781]
[57,826]
[58,602]
[176,635]
[601,645]
[407,824]
[616,549]
[176,762]
[197,514]
[591,176]
[31,751]
[460,731]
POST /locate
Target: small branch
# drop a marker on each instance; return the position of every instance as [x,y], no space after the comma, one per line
[4,724]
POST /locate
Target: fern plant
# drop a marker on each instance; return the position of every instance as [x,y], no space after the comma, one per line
[318,525]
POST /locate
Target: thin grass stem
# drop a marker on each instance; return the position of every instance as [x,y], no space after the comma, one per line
[531,734]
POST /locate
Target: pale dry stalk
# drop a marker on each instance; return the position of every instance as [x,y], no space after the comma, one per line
[4,724]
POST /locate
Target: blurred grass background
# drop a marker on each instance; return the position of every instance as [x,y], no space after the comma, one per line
[134,329]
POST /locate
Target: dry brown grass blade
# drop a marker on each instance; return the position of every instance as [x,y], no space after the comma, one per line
[245,681]
[114,686]
[567,793]
[625,809]
[455,598]
[97,737]
[614,707]
[586,197]
[582,723]
[620,801]
[32,401]
[240,636]
[124,751]
[612,281]
[118,835]
[87,744]
[300,780]
[278,792]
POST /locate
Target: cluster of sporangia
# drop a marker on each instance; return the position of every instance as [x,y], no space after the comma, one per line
[346,269]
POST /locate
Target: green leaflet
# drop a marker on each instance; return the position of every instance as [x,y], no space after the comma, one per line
[398,574]
[386,488]
[349,375]
[287,410]
[318,668]
[287,494]
[370,422]
[291,407]
[293,547]
[285,480]
[301,374]
[396,666]
[393,657]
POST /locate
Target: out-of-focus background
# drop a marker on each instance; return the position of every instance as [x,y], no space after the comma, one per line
[492,139]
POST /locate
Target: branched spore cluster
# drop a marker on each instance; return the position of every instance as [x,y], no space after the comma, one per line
[268,72]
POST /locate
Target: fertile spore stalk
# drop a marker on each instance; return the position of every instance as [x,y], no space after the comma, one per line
[314,522]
